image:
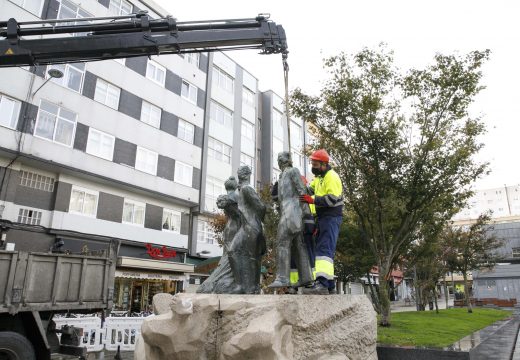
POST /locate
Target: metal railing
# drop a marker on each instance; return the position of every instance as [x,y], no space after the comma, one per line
[117,331]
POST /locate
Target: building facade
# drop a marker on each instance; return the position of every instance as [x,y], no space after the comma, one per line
[135,150]
[500,285]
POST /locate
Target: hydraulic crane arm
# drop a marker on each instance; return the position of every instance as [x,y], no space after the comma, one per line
[36,42]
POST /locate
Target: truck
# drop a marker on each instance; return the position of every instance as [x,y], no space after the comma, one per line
[36,286]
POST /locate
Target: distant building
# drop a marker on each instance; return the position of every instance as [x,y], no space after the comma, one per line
[503,202]
[500,285]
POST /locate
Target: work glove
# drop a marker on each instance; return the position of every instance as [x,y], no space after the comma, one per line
[307,199]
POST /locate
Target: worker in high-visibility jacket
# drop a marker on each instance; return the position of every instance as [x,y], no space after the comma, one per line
[328,200]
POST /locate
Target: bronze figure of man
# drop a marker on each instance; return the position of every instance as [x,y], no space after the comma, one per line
[290,228]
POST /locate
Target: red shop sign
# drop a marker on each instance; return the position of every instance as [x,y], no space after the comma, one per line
[160,253]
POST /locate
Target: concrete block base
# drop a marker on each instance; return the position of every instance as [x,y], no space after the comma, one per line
[263,327]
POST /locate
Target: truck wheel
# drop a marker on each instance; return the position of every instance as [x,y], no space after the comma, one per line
[14,346]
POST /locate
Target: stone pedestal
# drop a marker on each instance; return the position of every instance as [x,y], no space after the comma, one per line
[260,327]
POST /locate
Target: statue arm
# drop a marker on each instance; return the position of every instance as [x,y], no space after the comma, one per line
[297,182]
[253,199]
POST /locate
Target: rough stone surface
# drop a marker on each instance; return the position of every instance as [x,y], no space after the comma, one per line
[259,327]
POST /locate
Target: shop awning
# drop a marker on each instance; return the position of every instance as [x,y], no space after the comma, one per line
[145,264]
[149,275]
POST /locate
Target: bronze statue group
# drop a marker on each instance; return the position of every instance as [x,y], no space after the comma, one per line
[310,217]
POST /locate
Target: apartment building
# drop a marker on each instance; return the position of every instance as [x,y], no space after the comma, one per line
[134,149]
[503,202]
[274,138]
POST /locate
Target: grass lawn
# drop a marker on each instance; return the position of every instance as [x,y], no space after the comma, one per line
[427,328]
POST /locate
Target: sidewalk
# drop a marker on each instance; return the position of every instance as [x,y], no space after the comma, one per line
[400,306]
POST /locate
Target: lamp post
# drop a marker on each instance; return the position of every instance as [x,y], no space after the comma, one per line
[53,74]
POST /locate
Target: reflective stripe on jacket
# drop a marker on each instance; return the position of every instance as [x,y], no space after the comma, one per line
[328,194]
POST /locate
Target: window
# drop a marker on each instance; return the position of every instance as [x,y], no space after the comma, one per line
[516,252]
[248,97]
[36,181]
[186,131]
[171,220]
[83,201]
[277,124]
[29,216]
[69,10]
[249,161]
[9,111]
[218,150]
[33,6]
[146,160]
[133,212]
[276,175]
[214,188]
[311,139]
[183,173]
[222,79]
[55,123]
[221,115]
[248,130]
[189,91]
[100,144]
[204,232]
[192,58]
[151,114]
[107,94]
[156,72]
[296,136]
[297,159]
[120,7]
[277,148]
[73,75]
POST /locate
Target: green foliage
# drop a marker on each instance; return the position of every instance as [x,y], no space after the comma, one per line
[271,221]
[217,224]
[403,144]
[353,256]
[433,329]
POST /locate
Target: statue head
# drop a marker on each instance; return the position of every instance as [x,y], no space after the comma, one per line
[223,201]
[244,174]
[284,159]
[231,184]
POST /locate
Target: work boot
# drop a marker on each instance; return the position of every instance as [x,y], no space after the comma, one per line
[280,282]
[316,289]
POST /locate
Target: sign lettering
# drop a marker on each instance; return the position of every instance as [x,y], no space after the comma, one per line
[160,253]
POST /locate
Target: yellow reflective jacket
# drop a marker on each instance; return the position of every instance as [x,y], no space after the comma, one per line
[328,194]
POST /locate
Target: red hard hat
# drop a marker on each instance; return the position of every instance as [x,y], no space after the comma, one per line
[320,155]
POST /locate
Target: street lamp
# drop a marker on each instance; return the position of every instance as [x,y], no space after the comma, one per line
[53,74]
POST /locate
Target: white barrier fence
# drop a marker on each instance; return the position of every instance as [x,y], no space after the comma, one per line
[116,331]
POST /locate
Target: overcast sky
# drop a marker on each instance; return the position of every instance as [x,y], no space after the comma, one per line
[415,30]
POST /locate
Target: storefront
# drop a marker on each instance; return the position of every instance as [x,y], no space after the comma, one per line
[134,290]
[141,275]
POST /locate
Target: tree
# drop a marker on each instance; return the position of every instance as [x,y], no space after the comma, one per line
[353,258]
[271,220]
[471,248]
[428,261]
[217,223]
[403,145]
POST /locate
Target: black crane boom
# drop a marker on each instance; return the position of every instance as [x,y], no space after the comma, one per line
[42,42]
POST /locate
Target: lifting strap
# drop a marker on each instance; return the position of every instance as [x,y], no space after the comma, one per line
[286,80]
